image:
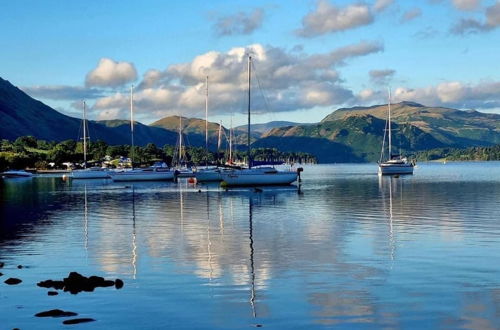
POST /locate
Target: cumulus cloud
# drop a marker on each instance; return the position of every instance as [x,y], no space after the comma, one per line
[454,94]
[381,76]
[457,94]
[63,92]
[239,23]
[411,15]
[381,5]
[109,73]
[471,25]
[290,79]
[327,18]
[466,4]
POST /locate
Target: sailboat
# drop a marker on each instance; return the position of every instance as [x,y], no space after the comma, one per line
[152,173]
[181,169]
[208,174]
[92,172]
[256,176]
[395,164]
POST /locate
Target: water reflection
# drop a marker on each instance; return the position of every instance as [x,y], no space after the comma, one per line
[350,250]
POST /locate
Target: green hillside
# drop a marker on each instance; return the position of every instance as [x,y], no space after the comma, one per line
[21,115]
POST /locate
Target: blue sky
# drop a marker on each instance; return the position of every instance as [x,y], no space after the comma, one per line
[311,57]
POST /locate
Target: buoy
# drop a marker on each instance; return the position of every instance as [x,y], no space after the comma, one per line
[192,180]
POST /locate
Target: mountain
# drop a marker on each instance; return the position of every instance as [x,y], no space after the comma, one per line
[22,115]
[355,134]
[456,128]
[263,128]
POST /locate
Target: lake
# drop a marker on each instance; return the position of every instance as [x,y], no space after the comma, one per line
[349,249]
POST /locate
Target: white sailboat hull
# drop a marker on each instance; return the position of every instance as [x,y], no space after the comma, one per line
[258,178]
[389,169]
[90,174]
[143,175]
[208,175]
[16,174]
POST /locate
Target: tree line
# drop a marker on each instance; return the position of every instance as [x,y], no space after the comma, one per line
[461,154]
[29,152]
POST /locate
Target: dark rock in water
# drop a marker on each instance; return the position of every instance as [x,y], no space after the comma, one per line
[199,190]
[76,321]
[19,266]
[55,313]
[118,283]
[58,285]
[52,293]
[76,283]
[1,274]
[12,281]
[2,264]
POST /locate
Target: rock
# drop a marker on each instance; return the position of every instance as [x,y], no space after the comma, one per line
[118,283]
[12,281]
[2,264]
[19,266]
[1,274]
[58,285]
[199,190]
[76,283]
[55,313]
[76,321]
[52,293]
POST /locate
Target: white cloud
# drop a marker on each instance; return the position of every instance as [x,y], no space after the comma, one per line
[63,92]
[291,80]
[239,23]
[456,94]
[466,4]
[411,15]
[381,5]
[109,73]
[381,76]
[327,18]
[472,25]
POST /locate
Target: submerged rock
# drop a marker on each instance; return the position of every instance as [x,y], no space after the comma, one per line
[2,264]
[55,313]
[52,293]
[19,266]
[1,274]
[12,281]
[76,321]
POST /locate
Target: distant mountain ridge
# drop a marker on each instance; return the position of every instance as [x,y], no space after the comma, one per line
[355,134]
[346,135]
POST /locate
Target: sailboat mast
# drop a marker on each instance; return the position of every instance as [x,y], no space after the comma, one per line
[389,123]
[180,140]
[231,142]
[84,136]
[132,124]
[248,129]
[219,138]
[206,121]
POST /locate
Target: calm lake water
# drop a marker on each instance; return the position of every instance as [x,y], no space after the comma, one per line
[350,250]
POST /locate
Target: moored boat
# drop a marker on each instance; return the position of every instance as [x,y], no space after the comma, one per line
[91,172]
[153,173]
[395,164]
[16,174]
[257,176]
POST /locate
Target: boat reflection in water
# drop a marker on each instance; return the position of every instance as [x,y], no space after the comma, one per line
[352,251]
